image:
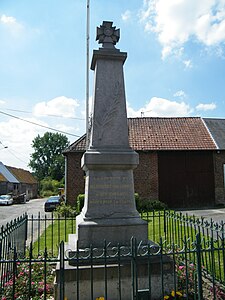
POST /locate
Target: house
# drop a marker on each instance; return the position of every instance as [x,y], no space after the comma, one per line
[17,181]
[8,182]
[181,161]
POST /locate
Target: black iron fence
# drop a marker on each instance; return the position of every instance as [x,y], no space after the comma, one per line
[186,261]
[13,235]
[47,231]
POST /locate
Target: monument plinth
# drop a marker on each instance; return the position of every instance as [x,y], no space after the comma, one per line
[109,211]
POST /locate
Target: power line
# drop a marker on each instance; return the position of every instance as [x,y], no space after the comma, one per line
[4,147]
[29,112]
[11,152]
[16,156]
[36,124]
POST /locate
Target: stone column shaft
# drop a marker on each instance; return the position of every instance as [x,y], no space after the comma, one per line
[109,211]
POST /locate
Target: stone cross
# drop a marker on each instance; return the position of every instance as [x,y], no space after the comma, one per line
[107,35]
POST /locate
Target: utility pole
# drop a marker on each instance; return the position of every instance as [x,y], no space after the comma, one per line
[87,71]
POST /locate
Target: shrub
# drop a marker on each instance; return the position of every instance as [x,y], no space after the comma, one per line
[137,201]
[64,210]
[46,194]
[144,205]
[80,202]
[154,204]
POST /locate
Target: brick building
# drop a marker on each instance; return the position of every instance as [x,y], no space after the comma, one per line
[181,161]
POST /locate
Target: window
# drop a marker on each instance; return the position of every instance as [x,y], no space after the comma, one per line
[15,186]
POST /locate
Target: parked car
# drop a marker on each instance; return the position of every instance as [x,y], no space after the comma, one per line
[19,198]
[51,203]
[6,200]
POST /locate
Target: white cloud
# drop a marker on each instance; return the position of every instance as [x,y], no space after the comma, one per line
[188,64]
[159,107]
[12,25]
[166,51]
[16,35]
[7,20]
[126,16]
[65,128]
[59,106]
[181,94]
[177,21]
[206,106]
[131,113]
[17,136]
[17,131]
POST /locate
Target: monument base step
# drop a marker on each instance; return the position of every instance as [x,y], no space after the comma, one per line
[113,230]
[71,250]
[117,277]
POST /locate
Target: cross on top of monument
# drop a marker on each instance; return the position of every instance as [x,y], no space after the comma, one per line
[107,35]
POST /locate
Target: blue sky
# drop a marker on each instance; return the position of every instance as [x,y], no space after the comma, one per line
[175,65]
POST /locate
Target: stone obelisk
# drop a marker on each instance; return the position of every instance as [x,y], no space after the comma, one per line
[109,211]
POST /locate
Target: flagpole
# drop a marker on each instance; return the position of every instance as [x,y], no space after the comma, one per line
[87,71]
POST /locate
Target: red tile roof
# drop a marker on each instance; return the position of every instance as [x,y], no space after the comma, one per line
[188,133]
[2,178]
[169,134]
[78,145]
[22,175]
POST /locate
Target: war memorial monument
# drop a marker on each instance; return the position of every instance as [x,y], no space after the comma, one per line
[109,215]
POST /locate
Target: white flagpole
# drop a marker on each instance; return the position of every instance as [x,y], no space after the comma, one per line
[87,71]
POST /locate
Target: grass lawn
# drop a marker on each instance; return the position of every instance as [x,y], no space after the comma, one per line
[160,227]
[57,231]
[172,231]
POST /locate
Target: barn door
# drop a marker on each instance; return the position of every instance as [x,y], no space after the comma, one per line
[186,178]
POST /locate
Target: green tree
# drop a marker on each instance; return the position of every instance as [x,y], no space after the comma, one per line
[47,159]
[49,186]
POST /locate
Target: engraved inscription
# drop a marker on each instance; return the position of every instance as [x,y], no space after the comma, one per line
[113,190]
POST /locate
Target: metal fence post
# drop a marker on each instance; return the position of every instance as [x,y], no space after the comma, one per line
[164,223]
[30,267]
[26,232]
[119,273]
[77,264]
[14,272]
[62,267]
[91,272]
[161,266]
[105,270]
[199,266]
[134,268]
[45,273]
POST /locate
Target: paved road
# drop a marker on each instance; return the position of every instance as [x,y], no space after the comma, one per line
[216,214]
[34,206]
[11,212]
